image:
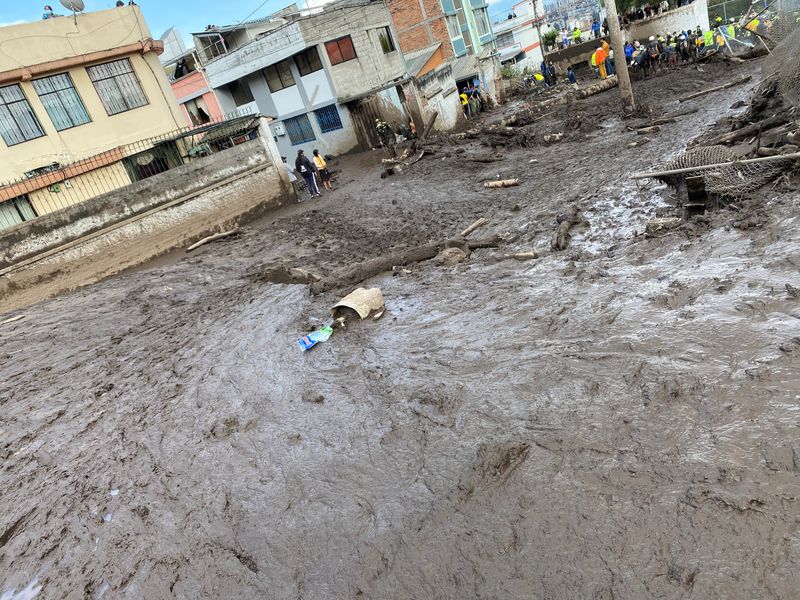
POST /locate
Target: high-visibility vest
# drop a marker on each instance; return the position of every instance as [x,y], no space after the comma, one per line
[731,31]
[708,38]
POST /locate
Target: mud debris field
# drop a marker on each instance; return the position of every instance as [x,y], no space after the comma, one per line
[616,420]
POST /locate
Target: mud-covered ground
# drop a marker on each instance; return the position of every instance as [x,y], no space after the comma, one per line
[617,420]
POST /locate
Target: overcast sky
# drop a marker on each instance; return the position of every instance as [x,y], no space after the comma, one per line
[186,15]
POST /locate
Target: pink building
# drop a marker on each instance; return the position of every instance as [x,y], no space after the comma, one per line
[197,100]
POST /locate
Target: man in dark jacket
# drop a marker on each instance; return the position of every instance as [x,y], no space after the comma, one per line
[306,168]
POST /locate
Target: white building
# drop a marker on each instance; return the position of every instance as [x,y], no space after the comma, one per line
[324,75]
[518,37]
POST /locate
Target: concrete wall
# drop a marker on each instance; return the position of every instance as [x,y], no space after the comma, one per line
[678,19]
[92,240]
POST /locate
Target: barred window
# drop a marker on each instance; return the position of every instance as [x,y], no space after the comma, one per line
[18,122]
[299,130]
[328,118]
[117,85]
[61,101]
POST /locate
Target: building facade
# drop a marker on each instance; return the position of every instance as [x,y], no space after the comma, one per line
[73,88]
[518,37]
[185,73]
[323,75]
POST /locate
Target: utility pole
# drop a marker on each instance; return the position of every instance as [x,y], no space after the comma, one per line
[538,27]
[620,63]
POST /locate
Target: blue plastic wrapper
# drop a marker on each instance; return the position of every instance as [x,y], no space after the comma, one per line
[307,342]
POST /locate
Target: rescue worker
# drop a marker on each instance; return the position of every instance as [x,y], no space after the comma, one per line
[600,57]
[708,40]
[577,36]
[731,28]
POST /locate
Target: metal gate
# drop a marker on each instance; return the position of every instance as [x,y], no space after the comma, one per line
[363,113]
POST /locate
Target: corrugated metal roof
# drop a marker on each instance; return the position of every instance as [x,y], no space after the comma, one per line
[417,59]
[465,67]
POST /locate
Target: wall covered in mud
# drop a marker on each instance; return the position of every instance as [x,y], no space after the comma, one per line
[101,237]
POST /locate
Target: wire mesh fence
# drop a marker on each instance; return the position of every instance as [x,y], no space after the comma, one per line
[59,185]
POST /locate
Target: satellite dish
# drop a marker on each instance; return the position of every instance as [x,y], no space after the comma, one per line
[73,5]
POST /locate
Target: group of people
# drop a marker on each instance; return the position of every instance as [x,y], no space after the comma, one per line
[472,100]
[603,60]
[678,47]
[313,171]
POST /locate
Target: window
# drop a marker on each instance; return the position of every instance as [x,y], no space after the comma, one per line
[198,111]
[328,118]
[158,159]
[452,26]
[18,122]
[341,50]
[482,20]
[299,130]
[279,77]
[240,92]
[505,39]
[61,101]
[387,43]
[308,62]
[16,211]
[117,86]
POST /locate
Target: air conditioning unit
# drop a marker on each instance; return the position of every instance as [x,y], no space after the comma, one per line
[278,129]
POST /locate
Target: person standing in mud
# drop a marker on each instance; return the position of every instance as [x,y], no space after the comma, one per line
[307,169]
[322,169]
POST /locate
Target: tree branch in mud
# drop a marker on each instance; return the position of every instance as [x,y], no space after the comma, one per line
[213,238]
[561,237]
[349,276]
[719,88]
[750,130]
[596,88]
[479,223]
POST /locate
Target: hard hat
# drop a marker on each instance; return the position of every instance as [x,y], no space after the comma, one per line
[652,38]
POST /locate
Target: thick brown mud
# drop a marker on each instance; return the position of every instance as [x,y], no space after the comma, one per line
[617,420]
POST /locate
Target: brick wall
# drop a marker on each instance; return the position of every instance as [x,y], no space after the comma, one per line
[419,24]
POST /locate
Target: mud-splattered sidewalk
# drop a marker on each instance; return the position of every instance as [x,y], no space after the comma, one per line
[617,420]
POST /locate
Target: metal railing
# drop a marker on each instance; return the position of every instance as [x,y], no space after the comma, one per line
[57,186]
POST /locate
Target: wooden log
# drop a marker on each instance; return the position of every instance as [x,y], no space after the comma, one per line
[561,237]
[648,130]
[13,319]
[718,88]
[597,88]
[430,123]
[213,238]
[503,183]
[750,130]
[522,256]
[662,121]
[656,174]
[479,223]
[353,275]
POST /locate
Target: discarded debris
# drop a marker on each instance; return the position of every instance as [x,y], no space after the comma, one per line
[451,256]
[307,342]
[655,226]
[479,223]
[523,256]
[13,320]
[657,174]
[641,142]
[601,86]
[567,221]
[213,238]
[648,130]
[364,302]
[503,183]
[553,137]
[719,88]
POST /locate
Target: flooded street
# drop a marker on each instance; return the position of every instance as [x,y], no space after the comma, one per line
[619,420]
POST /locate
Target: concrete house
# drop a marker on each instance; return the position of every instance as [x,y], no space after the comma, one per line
[324,75]
[73,88]
[185,73]
[518,38]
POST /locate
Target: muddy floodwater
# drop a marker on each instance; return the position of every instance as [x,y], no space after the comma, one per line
[619,420]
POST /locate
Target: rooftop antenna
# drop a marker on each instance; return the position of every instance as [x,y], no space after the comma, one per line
[75,6]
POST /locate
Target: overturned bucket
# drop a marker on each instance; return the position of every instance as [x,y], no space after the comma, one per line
[363,302]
